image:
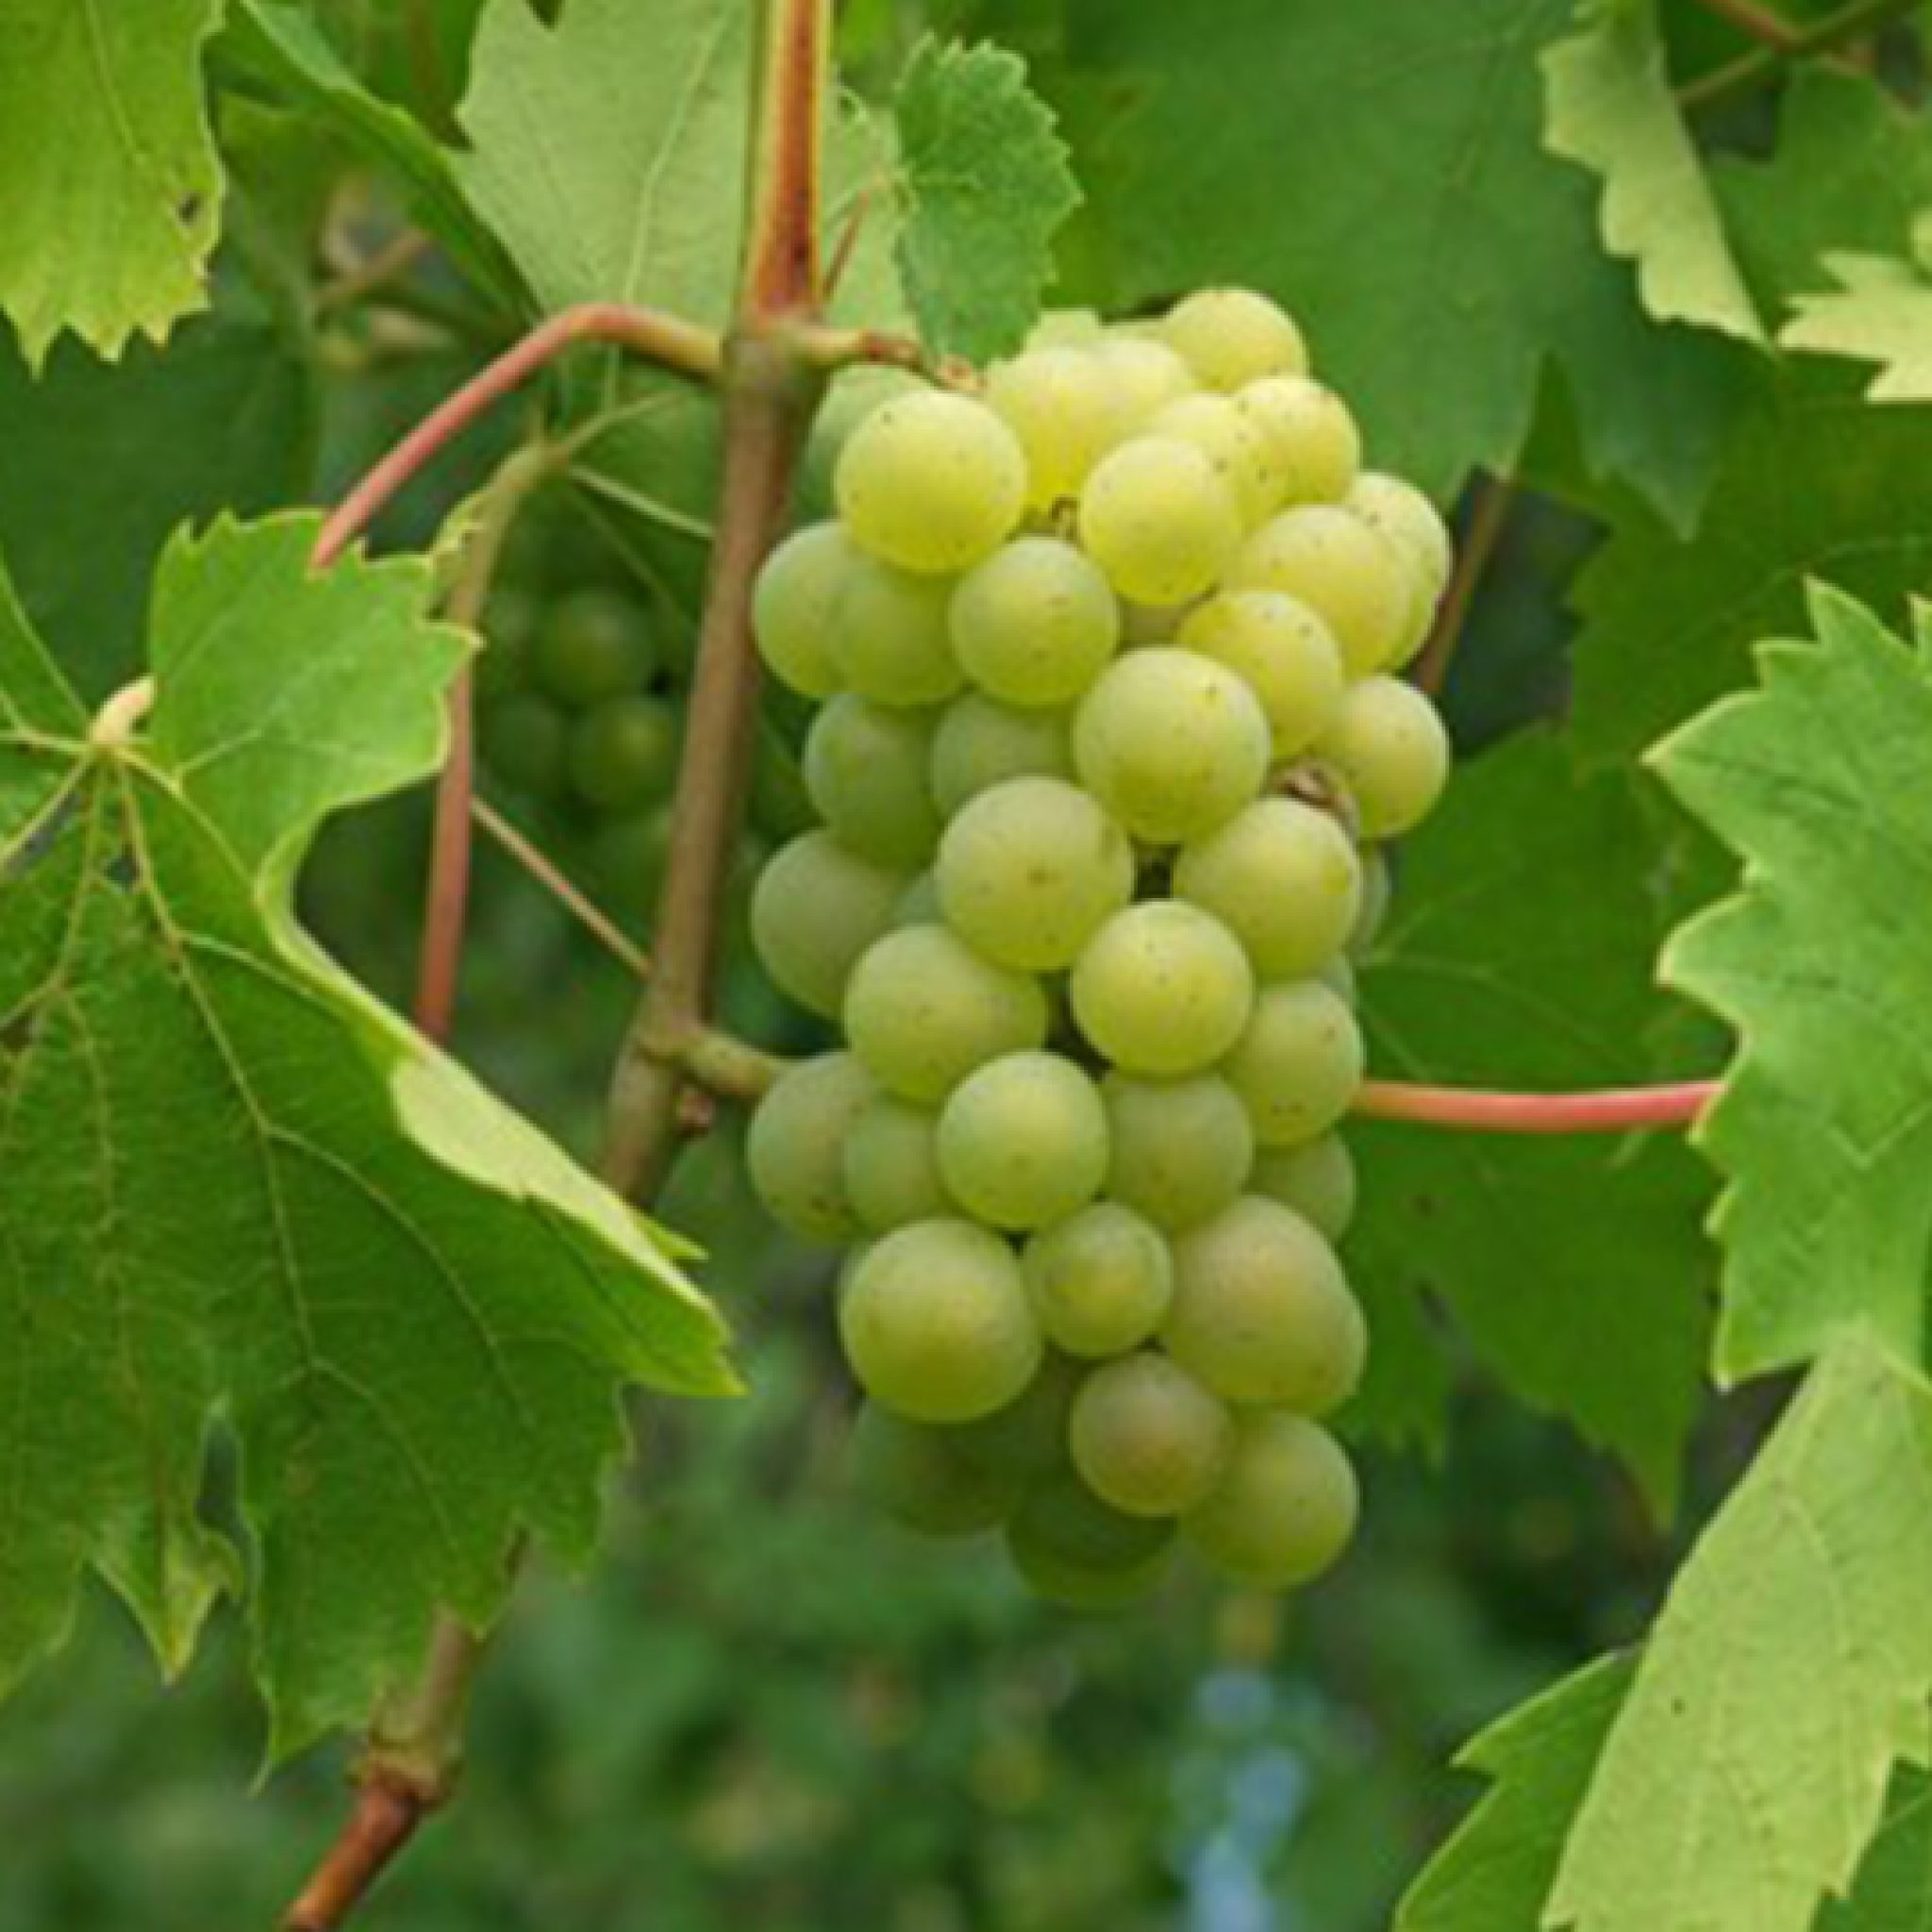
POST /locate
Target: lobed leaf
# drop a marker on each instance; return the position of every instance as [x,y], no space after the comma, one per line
[1882,313]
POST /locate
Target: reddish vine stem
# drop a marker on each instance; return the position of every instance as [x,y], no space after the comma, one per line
[1851,22]
[1606,1110]
[1770,29]
[1489,516]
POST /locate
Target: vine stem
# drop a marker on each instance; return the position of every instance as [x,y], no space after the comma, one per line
[1604,1110]
[1806,44]
[1489,516]
[1770,29]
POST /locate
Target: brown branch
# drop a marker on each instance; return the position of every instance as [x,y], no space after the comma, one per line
[832,349]
[384,1820]
[1493,499]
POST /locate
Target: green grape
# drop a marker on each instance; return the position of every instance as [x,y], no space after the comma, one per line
[1240,453]
[793,1151]
[1261,1312]
[795,604]
[1284,1510]
[1388,744]
[1085,1587]
[1022,1141]
[1062,406]
[525,742]
[924,1009]
[624,752]
[1029,870]
[1061,1517]
[1146,1437]
[891,1164]
[889,639]
[931,481]
[1378,890]
[1156,516]
[629,856]
[817,906]
[1317,1180]
[1283,877]
[914,1473]
[1035,624]
[1298,1062]
[1316,446]
[1181,1149]
[1162,987]
[1398,512]
[1066,329]
[508,625]
[1101,1280]
[935,1323]
[865,769]
[1172,743]
[1142,376]
[1351,579]
[980,743]
[1029,1437]
[1231,337]
[593,645]
[1284,653]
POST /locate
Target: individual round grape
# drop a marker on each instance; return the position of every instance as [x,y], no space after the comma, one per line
[980,743]
[1162,988]
[1142,376]
[1261,1312]
[924,1009]
[1285,654]
[1146,1437]
[1089,1587]
[1180,1150]
[1029,870]
[1022,1141]
[1298,1063]
[1157,517]
[1388,745]
[1035,624]
[1230,337]
[508,633]
[525,741]
[935,1323]
[1171,743]
[1378,890]
[865,768]
[1060,402]
[1101,1280]
[593,645]
[915,1474]
[1285,1508]
[890,640]
[816,907]
[890,1165]
[1283,877]
[1351,579]
[1317,1180]
[1316,446]
[793,1149]
[1398,512]
[931,481]
[1027,1437]
[1237,448]
[795,603]
[624,752]
[628,856]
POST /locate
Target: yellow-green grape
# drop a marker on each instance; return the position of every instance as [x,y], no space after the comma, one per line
[1398,512]
[1231,337]
[1142,376]
[936,1325]
[1029,870]
[916,1473]
[1157,517]
[1179,1150]
[1284,1510]
[1101,1280]
[793,1149]
[622,752]
[1172,743]
[1261,1313]
[865,769]
[1351,579]
[816,907]
[931,481]
[1316,446]
[890,640]
[1317,1180]
[1378,893]
[1022,1141]
[924,1009]
[980,743]
[1060,402]
[1240,453]
[1283,877]
[1146,1437]
[1298,1062]
[795,604]
[1162,987]
[890,1165]
[1283,651]
[1035,624]
[1388,744]
[1028,1437]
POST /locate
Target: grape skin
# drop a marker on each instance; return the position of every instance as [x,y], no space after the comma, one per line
[1390,746]
[1231,337]
[1145,376]
[1354,580]
[1316,446]
[1061,404]
[1236,447]
[1298,1062]
[1101,1280]
[1181,1150]
[815,910]
[890,1165]
[1285,1508]
[795,607]
[1147,1438]
[1284,653]
[890,639]
[1035,624]
[865,770]
[1317,1180]
[1162,988]
[1028,1437]
[915,1474]
[794,1150]
[1157,517]
[981,741]
[1022,1141]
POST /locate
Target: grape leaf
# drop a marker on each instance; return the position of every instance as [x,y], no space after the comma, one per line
[109,173]
[1882,313]
[1818,781]
[1611,109]
[1892,1894]
[241,1193]
[1787,1672]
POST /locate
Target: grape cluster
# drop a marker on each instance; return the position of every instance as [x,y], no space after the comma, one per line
[1110,732]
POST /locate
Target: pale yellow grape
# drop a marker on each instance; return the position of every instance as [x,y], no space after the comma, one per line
[1238,450]
[1022,1141]
[1162,988]
[1317,1180]
[1316,447]
[1156,515]
[891,641]
[1395,508]
[816,907]
[936,1325]
[1388,745]
[1285,1508]
[1298,1061]
[1101,1280]
[890,1163]
[1147,1438]
[1142,376]
[1067,328]
[1029,869]
[1378,895]
[1283,877]
[1035,624]
[1283,651]
[792,1149]
[1179,1150]
[795,607]
[1353,579]
[1060,403]
[865,769]
[915,1474]
[980,743]
[1231,337]
[931,481]
[1261,1313]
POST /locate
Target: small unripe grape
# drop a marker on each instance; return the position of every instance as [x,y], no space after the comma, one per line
[624,752]
[890,640]
[1061,404]
[794,1150]
[1086,1587]
[1181,1149]
[1240,452]
[865,768]
[915,1474]
[981,741]
[795,603]
[815,910]
[1388,745]
[1157,517]
[1147,1438]
[593,645]
[1354,580]
[1317,447]
[1035,624]
[1061,1517]
[1317,1180]
[1028,1437]
[1285,654]
[1101,1280]
[890,1165]
[1284,1510]
[1298,1063]
[525,741]
[628,856]
[1283,877]
[1162,987]
[1022,1141]
[1231,337]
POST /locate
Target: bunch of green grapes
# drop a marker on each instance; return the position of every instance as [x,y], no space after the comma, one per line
[1113,730]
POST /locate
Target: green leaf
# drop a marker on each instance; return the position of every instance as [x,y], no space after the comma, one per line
[109,173]
[1892,1894]
[1787,1673]
[243,1194]
[986,184]
[1883,314]
[1612,110]
[1819,782]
